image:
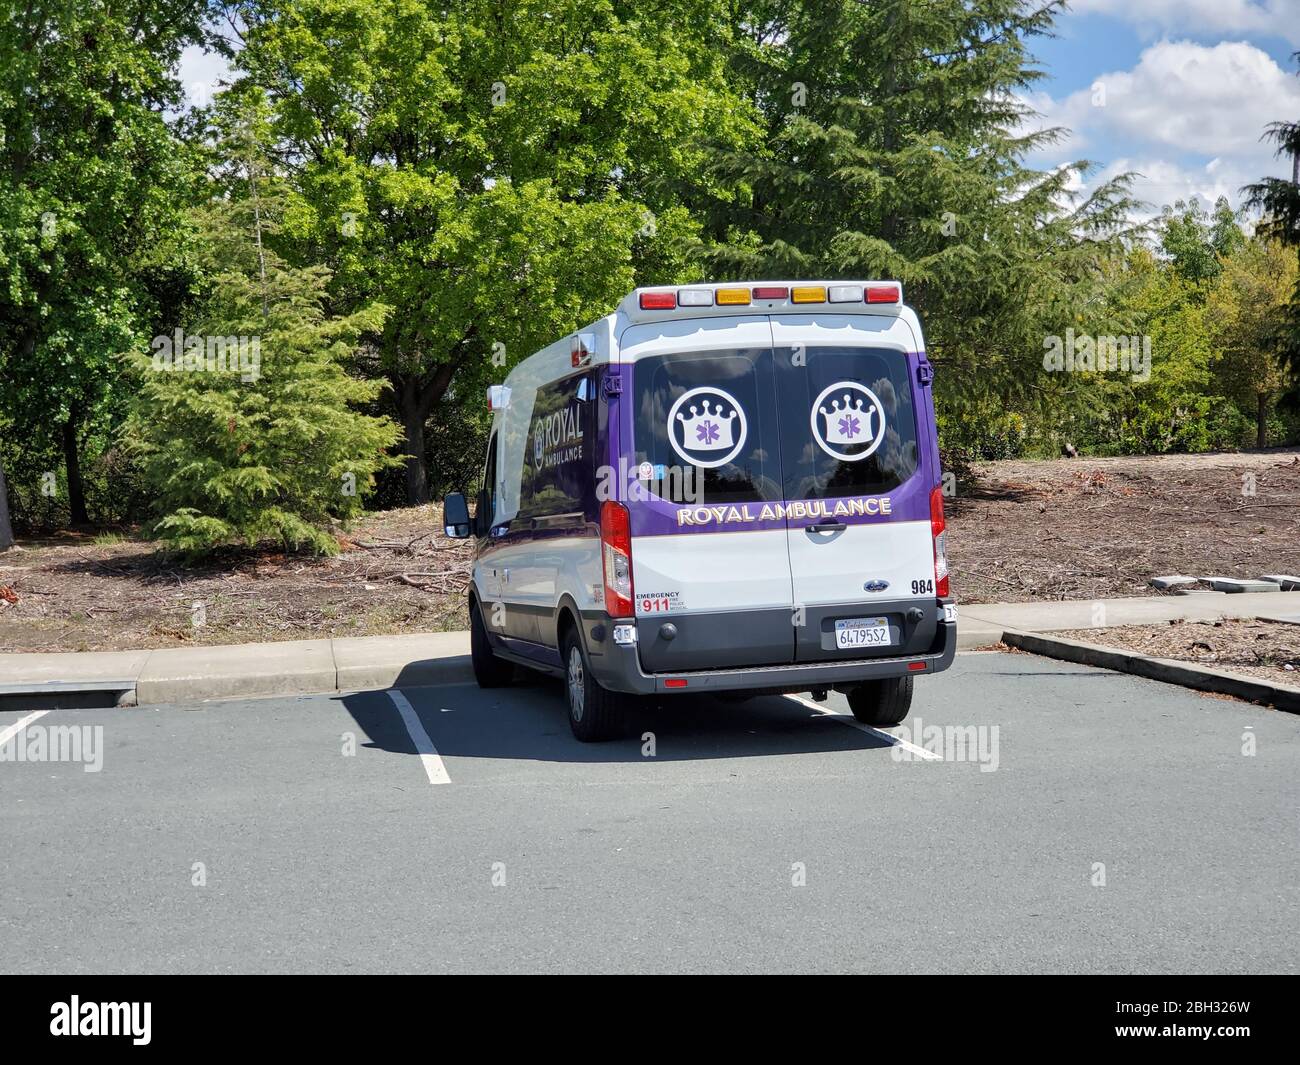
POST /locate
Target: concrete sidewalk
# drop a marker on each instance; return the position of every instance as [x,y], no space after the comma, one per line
[187,674]
[300,666]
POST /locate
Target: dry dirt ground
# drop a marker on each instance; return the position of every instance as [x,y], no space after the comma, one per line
[1264,650]
[1022,530]
[1100,528]
[396,573]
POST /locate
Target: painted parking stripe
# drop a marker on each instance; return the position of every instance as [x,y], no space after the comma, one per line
[19,725]
[429,756]
[852,722]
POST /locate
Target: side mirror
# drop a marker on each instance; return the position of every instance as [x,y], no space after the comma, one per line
[455,516]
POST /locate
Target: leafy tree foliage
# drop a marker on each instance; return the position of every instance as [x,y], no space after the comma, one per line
[894,148]
[268,445]
[497,172]
[1279,201]
[91,180]
[1249,314]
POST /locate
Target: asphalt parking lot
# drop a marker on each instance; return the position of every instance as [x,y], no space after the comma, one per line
[1086,822]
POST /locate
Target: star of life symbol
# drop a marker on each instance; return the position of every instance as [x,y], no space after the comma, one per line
[707,427]
[848,421]
[709,431]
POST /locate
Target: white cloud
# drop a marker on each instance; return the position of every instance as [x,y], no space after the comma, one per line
[1159,181]
[1213,100]
[1188,116]
[1279,17]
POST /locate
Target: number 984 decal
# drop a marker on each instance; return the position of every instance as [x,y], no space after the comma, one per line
[925,586]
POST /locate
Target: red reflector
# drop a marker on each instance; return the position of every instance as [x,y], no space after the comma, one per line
[883,294]
[915,667]
[675,682]
[658,301]
[771,293]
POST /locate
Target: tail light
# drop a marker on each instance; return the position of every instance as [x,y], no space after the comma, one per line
[616,555]
[938,529]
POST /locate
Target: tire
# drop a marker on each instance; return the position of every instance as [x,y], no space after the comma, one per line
[594,712]
[489,670]
[882,703]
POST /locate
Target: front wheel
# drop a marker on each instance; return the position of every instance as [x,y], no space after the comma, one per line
[882,703]
[594,714]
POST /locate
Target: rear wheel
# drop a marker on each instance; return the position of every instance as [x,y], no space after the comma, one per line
[489,670]
[883,702]
[594,713]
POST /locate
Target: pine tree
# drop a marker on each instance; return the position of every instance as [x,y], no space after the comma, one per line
[247,423]
[895,149]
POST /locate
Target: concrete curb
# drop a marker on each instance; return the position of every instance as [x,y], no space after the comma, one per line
[1189,675]
[376,663]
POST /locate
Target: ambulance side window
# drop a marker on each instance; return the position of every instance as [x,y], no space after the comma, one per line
[557,462]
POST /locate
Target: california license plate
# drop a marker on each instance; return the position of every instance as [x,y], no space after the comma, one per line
[862,632]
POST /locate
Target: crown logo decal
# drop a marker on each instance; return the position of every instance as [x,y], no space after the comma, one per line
[848,423]
[709,431]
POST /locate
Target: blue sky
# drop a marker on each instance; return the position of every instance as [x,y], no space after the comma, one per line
[1177,91]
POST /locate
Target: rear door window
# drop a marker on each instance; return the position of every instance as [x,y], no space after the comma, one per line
[706,426]
[848,420]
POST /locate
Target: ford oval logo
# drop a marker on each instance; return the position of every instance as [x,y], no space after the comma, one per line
[875,586]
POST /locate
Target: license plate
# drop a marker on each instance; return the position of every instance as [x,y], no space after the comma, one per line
[862,632]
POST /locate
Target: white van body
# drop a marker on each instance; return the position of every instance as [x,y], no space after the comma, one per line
[760,478]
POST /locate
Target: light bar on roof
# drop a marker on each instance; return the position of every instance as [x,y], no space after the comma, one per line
[695,297]
[658,301]
[845,294]
[732,297]
[808,294]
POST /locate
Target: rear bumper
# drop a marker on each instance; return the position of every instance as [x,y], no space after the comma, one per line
[618,667]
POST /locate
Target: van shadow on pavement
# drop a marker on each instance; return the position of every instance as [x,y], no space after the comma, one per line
[528,721]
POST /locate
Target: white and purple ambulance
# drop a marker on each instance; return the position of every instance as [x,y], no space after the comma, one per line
[729,489]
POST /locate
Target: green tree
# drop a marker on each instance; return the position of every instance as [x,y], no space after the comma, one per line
[91,180]
[895,148]
[1197,242]
[247,422]
[498,171]
[1279,202]
[1248,312]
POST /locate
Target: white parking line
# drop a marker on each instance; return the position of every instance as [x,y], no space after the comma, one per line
[429,756]
[19,725]
[852,722]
